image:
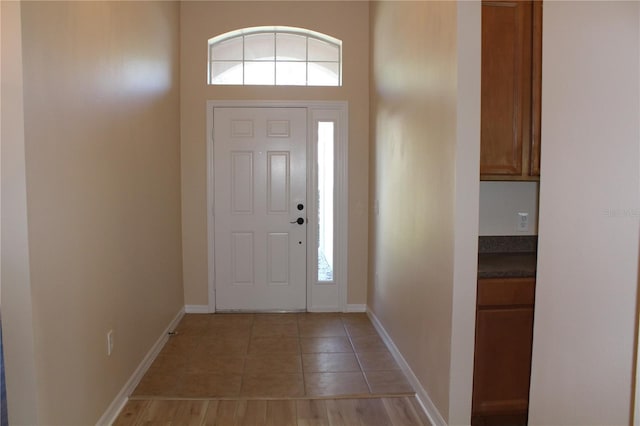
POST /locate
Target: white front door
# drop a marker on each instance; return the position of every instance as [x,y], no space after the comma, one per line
[260,208]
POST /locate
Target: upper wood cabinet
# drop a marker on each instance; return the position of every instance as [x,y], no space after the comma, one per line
[511,82]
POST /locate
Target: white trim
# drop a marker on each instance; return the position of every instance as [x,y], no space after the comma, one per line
[342,204]
[356,308]
[211,285]
[328,308]
[196,309]
[320,297]
[275,29]
[636,399]
[121,399]
[421,394]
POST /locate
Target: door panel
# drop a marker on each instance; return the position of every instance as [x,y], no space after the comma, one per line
[242,258]
[260,177]
[278,261]
[242,182]
[278,173]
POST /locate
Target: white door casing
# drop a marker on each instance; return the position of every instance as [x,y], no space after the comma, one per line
[260,208]
[321,296]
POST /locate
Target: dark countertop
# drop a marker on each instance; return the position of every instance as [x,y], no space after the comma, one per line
[507,265]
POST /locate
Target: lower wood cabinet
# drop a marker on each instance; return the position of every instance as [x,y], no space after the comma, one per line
[502,365]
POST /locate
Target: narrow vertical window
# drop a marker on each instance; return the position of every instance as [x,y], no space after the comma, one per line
[326,141]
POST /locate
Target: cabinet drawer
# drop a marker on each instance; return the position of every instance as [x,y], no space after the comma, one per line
[506,291]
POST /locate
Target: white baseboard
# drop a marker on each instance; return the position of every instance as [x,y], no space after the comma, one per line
[428,406]
[356,308]
[323,309]
[196,309]
[120,400]
[204,309]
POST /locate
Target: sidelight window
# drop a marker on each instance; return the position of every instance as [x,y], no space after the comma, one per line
[326,136]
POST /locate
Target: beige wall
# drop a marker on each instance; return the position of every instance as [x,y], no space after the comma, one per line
[465,251]
[201,20]
[424,179]
[17,312]
[583,345]
[101,110]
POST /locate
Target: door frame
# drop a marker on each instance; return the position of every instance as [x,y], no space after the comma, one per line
[321,297]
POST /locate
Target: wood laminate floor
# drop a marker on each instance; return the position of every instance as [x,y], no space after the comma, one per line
[392,411]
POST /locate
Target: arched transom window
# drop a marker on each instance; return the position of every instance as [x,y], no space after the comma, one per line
[275,56]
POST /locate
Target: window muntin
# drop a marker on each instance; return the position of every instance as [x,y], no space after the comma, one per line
[275,56]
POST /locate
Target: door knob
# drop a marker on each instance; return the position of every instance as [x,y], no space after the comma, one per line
[299,221]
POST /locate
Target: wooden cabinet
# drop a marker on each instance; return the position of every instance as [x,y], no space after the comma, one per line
[510,90]
[502,364]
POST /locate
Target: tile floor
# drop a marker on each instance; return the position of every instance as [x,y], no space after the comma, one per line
[274,356]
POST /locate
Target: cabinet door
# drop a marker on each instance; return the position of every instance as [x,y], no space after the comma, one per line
[536,88]
[502,364]
[506,87]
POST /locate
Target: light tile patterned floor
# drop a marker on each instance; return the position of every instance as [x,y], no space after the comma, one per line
[274,356]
